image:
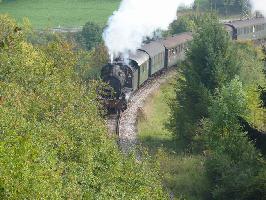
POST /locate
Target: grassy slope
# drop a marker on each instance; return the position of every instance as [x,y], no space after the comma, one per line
[183,174]
[153,133]
[66,13]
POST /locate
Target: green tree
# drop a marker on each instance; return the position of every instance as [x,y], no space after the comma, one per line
[250,60]
[209,64]
[233,164]
[90,36]
[184,23]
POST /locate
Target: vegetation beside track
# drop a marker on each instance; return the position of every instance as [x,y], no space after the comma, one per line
[213,91]
[182,174]
[53,139]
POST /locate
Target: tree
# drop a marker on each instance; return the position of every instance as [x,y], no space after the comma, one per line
[250,60]
[209,64]
[90,36]
[184,23]
[233,164]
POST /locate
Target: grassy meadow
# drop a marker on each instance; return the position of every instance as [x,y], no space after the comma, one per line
[55,13]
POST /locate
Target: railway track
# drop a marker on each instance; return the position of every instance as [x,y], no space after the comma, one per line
[113,123]
[124,124]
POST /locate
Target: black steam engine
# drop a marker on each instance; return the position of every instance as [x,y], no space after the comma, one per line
[119,77]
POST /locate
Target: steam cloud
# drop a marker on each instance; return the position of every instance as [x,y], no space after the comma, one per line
[137,19]
[259,5]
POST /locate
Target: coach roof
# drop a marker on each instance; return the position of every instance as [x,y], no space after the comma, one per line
[175,40]
[153,48]
[140,57]
[248,22]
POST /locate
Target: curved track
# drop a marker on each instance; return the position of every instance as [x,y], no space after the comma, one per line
[126,125]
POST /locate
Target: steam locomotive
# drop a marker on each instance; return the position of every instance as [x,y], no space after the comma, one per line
[126,77]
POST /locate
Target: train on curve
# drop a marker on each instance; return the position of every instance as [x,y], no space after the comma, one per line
[125,78]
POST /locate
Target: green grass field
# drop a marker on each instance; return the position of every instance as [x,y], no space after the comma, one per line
[64,13]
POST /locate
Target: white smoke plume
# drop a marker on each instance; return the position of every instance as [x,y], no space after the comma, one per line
[259,5]
[137,19]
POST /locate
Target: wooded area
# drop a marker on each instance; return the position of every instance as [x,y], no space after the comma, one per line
[218,85]
[53,140]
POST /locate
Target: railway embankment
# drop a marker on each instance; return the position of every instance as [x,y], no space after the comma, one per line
[128,122]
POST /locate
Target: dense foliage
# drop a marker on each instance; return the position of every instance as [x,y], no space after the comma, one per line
[218,84]
[205,69]
[53,141]
[234,165]
[209,65]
